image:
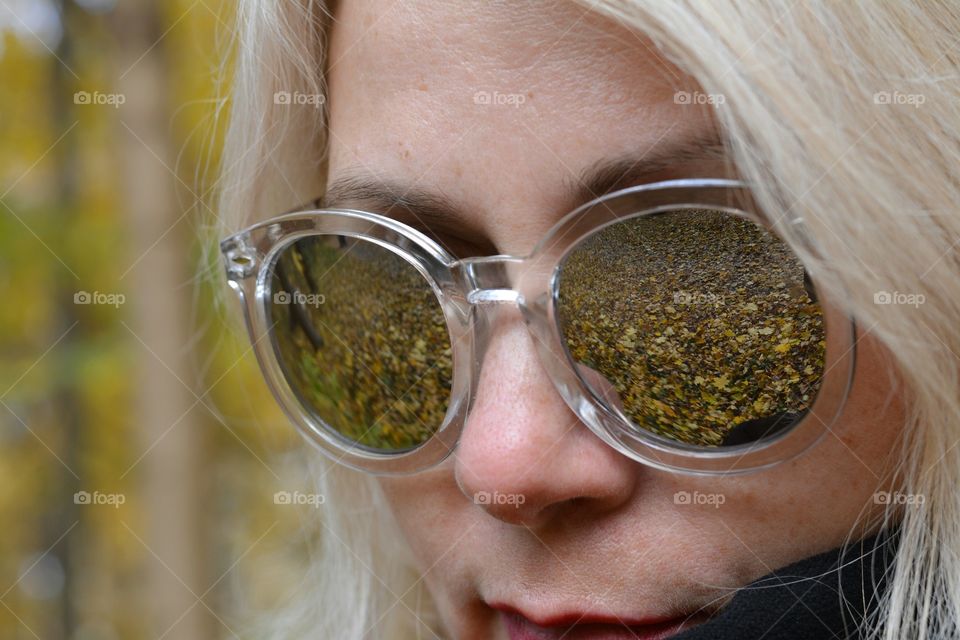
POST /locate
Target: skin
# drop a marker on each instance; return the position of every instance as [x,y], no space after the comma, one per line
[597,532]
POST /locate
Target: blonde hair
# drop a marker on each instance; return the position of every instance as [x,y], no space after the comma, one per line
[843,113]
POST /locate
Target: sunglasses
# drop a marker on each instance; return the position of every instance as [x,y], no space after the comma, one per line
[672,320]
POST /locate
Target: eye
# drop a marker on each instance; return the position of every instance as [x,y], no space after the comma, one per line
[460,247]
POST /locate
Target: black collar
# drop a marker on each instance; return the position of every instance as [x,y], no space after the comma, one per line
[818,598]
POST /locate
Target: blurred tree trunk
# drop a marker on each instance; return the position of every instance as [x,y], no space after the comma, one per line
[171,473]
[67,406]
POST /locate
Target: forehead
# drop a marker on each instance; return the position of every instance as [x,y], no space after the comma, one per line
[496,104]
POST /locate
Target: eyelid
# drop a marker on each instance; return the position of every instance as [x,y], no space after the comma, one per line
[457,246]
[452,242]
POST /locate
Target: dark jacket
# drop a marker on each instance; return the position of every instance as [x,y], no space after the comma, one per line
[819,598]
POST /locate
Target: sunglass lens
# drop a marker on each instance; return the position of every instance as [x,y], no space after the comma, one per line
[362,341]
[700,326]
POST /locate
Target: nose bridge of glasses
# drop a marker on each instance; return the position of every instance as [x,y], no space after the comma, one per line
[489,280]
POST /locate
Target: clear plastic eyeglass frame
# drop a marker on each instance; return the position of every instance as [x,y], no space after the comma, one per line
[467,289]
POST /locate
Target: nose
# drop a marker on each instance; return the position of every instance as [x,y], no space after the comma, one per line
[524,456]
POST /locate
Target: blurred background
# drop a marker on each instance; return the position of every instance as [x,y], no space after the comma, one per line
[139,450]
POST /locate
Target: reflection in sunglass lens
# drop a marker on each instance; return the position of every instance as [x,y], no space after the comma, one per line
[362,341]
[700,326]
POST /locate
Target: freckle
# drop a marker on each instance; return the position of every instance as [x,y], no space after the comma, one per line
[422,86]
[406,153]
[530,94]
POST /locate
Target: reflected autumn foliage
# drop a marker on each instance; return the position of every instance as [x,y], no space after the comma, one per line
[703,322]
[363,341]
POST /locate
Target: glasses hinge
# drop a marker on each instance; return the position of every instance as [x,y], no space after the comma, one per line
[239,257]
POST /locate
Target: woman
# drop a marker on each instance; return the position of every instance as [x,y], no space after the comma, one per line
[644,423]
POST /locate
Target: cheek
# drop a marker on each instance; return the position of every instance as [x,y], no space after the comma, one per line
[427,507]
[868,437]
[440,526]
[810,504]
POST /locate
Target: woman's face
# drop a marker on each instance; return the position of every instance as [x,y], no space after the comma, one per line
[500,107]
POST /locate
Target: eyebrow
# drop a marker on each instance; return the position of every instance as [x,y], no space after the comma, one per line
[435,208]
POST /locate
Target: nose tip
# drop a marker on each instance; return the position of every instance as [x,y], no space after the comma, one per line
[524,455]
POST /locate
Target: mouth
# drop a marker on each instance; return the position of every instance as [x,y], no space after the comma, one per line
[585,626]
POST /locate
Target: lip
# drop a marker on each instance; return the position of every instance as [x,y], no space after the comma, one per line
[586,626]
